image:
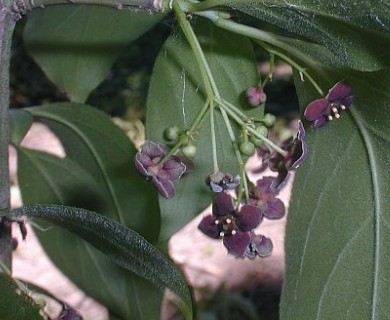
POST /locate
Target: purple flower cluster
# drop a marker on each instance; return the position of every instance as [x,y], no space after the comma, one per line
[321,111]
[235,226]
[150,162]
[296,153]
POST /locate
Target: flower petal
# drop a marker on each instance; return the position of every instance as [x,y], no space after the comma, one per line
[299,154]
[237,244]
[249,217]
[316,109]
[339,91]
[153,150]
[275,209]
[142,162]
[222,205]
[320,122]
[347,101]
[165,187]
[300,131]
[208,227]
[262,245]
[280,180]
[264,185]
[172,169]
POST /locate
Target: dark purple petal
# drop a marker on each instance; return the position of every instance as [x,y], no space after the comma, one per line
[281,179]
[264,185]
[276,162]
[222,205]
[298,155]
[339,91]
[69,313]
[275,209]
[300,131]
[249,217]
[320,122]
[262,245]
[316,109]
[165,187]
[172,169]
[237,244]
[153,150]
[208,226]
[347,101]
[142,163]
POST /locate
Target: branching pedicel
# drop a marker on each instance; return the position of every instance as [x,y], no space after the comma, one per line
[234,219]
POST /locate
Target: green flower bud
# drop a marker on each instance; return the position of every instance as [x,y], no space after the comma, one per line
[269,119]
[247,148]
[172,133]
[189,151]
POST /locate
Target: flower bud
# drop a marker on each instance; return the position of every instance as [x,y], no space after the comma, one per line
[247,148]
[172,133]
[269,119]
[255,96]
[189,151]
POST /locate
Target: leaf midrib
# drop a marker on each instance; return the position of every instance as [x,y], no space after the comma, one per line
[95,155]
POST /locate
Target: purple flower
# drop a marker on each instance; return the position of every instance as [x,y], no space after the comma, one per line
[265,197]
[296,153]
[68,313]
[323,110]
[259,245]
[232,225]
[255,96]
[147,162]
[219,181]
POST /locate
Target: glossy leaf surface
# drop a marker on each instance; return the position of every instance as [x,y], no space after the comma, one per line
[77,45]
[338,226]
[176,95]
[354,31]
[122,245]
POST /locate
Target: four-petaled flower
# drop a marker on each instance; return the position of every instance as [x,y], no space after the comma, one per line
[232,225]
[147,162]
[218,181]
[296,153]
[264,197]
[323,110]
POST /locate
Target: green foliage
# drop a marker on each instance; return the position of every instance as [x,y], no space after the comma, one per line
[16,305]
[97,174]
[120,244]
[176,88]
[77,45]
[337,232]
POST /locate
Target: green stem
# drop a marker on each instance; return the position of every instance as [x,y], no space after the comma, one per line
[7,24]
[241,164]
[146,5]
[268,142]
[208,80]
[300,69]
[213,139]
[196,124]
[257,34]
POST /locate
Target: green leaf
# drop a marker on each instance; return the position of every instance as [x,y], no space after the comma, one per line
[338,228]
[20,123]
[92,140]
[15,304]
[97,174]
[122,245]
[354,31]
[176,94]
[77,45]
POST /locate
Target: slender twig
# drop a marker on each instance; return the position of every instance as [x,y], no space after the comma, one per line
[7,24]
